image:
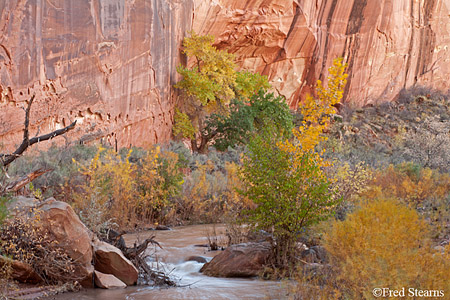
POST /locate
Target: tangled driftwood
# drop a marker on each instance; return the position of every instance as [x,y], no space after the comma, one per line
[136,255]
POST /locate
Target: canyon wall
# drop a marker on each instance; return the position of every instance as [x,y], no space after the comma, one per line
[388,44]
[110,64]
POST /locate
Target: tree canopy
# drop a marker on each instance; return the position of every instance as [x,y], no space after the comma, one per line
[246,118]
[208,87]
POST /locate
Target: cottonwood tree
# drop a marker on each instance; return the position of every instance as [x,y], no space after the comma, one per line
[285,178]
[208,87]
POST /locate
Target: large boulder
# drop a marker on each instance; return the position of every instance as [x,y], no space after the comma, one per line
[108,281]
[110,260]
[20,271]
[64,226]
[21,204]
[242,260]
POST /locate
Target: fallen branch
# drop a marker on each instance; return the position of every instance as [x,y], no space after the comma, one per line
[135,254]
[6,159]
[132,253]
[24,180]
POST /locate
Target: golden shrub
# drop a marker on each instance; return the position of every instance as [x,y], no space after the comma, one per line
[127,194]
[210,194]
[385,244]
[424,189]
[410,183]
[109,187]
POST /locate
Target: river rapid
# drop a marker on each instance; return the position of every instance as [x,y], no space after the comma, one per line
[178,244]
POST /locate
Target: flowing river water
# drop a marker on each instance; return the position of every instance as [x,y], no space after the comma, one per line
[178,244]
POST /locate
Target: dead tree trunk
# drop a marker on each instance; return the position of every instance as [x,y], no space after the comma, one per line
[6,159]
[24,180]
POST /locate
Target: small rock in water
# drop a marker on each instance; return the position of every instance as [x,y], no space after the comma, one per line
[108,281]
[199,259]
[162,227]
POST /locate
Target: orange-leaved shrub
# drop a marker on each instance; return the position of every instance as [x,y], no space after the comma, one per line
[410,183]
[426,190]
[385,244]
[210,194]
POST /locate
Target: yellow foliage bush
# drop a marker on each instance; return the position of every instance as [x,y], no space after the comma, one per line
[426,190]
[409,183]
[109,187]
[159,180]
[350,181]
[127,194]
[211,195]
[385,244]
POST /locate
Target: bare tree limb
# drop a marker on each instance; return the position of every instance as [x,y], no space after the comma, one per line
[6,159]
[24,180]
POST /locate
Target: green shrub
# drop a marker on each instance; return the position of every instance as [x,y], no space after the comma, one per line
[57,159]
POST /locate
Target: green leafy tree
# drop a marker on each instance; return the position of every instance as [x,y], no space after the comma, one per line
[245,118]
[290,192]
[285,178]
[209,85]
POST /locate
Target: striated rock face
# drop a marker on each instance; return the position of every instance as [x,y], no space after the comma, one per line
[109,64]
[389,45]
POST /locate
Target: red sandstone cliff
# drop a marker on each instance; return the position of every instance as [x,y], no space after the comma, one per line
[110,63]
[389,45]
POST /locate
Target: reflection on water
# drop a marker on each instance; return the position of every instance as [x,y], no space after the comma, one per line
[178,244]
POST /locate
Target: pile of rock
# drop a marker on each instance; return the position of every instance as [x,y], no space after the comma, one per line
[98,263]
